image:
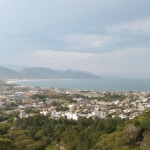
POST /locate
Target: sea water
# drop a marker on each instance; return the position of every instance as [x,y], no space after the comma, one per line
[117,85]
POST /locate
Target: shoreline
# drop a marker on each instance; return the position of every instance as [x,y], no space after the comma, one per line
[20,80]
[118,85]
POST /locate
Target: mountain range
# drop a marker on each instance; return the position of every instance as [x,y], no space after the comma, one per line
[2,82]
[45,73]
[9,74]
[13,67]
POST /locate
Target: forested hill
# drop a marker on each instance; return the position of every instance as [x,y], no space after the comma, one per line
[41,133]
[2,82]
[44,73]
[9,74]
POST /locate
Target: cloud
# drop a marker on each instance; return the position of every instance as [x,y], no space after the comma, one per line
[84,34]
[78,26]
[132,26]
[129,63]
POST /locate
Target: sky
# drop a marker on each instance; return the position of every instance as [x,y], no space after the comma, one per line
[104,37]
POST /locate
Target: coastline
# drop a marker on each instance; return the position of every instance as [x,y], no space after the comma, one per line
[16,80]
[117,85]
[20,80]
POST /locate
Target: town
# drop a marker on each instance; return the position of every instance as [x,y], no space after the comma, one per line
[71,104]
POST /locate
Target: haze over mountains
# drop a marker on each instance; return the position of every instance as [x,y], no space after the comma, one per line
[9,74]
[44,73]
[13,67]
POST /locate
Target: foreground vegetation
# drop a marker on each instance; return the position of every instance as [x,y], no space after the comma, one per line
[41,133]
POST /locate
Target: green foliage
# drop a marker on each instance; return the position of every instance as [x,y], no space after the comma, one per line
[28,111]
[52,147]
[108,97]
[4,128]
[40,133]
[144,120]
[6,144]
[39,96]
[3,116]
[54,103]
[61,108]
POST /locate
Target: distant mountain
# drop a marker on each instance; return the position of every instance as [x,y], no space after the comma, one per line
[72,70]
[2,82]
[45,73]
[79,75]
[13,67]
[59,70]
[39,73]
[104,76]
[9,74]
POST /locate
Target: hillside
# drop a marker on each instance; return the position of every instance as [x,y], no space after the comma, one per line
[42,133]
[45,73]
[79,75]
[2,82]
[39,73]
[9,74]
[13,67]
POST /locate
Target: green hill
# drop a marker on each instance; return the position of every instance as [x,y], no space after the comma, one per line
[45,73]
[6,74]
[40,133]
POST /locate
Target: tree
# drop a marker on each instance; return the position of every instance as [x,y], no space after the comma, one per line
[6,144]
[4,128]
[145,144]
[131,134]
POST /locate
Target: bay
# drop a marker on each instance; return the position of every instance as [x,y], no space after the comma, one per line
[113,85]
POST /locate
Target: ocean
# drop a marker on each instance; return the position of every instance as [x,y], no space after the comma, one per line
[111,85]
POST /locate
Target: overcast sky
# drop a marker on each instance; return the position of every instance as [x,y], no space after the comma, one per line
[104,37]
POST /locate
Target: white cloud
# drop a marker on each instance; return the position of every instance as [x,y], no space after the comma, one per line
[86,39]
[133,26]
[85,42]
[111,30]
[128,63]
